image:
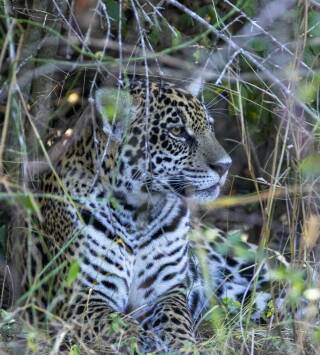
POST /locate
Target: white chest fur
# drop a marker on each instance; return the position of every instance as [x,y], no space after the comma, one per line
[161,258]
[132,266]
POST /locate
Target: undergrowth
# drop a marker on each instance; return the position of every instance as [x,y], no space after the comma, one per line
[258,64]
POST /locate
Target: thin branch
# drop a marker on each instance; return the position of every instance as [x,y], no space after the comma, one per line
[269,15]
[234,55]
[42,88]
[249,56]
[315,3]
[144,51]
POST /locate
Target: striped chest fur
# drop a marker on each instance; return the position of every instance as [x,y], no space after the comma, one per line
[132,260]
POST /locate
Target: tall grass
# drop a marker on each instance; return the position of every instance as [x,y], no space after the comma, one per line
[258,63]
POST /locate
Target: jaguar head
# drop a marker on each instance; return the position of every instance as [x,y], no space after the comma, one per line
[169,144]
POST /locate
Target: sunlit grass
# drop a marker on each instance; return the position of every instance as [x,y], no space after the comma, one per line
[283,187]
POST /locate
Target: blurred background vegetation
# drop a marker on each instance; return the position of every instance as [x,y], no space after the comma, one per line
[257,60]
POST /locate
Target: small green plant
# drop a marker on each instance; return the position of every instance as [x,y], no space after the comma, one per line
[74,350]
[73,272]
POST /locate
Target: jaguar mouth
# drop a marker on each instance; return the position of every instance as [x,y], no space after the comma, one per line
[210,193]
[198,194]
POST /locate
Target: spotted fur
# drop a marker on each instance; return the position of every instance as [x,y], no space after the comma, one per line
[120,208]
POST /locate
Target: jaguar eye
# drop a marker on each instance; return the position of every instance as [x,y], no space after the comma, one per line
[176,131]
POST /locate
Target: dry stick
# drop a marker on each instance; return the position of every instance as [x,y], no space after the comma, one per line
[32,36]
[129,49]
[170,73]
[298,202]
[276,175]
[7,41]
[315,3]
[245,53]
[151,50]
[6,124]
[267,16]
[83,42]
[230,61]
[29,73]
[144,51]
[158,13]
[105,43]
[57,4]
[6,128]
[120,42]
[275,13]
[93,84]
[245,144]
[42,88]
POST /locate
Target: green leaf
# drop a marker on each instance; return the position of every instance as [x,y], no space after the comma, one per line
[258,44]
[310,166]
[117,323]
[73,273]
[110,111]
[249,7]
[29,203]
[217,316]
[176,38]
[316,334]
[308,91]
[31,343]
[232,305]
[234,236]
[114,203]
[154,36]
[270,310]
[112,9]
[279,274]
[314,24]
[74,350]
[113,104]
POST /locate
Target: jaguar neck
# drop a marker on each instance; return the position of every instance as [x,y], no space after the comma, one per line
[121,174]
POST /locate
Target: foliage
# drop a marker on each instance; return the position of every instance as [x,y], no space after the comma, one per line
[259,62]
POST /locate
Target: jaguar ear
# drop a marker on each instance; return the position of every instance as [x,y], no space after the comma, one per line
[195,87]
[115,108]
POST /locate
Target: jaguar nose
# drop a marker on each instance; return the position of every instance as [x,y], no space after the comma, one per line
[220,167]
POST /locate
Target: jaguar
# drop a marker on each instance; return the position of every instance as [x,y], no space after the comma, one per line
[114,234]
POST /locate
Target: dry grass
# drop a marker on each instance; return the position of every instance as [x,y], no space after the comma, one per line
[258,62]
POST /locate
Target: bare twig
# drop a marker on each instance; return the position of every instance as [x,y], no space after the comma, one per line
[43,87]
[267,16]
[249,56]
[234,55]
[9,126]
[315,3]
[144,51]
